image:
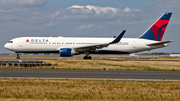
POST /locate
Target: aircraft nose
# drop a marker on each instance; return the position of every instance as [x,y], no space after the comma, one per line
[7,46]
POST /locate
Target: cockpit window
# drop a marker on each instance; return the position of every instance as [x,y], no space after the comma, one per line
[10,41]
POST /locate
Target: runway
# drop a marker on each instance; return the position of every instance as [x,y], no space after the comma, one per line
[90,74]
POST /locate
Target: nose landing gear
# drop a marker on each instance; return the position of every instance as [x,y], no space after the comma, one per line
[18,57]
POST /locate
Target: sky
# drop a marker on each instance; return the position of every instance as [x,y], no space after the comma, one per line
[86,18]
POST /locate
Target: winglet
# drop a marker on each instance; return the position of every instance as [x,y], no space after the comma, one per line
[118,38]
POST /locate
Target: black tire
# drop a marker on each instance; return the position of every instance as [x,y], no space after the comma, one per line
[90,57]
[17,57]
[85,57]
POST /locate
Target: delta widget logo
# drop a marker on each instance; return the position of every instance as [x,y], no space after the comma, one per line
[159,28]
[38,40]
[27,40]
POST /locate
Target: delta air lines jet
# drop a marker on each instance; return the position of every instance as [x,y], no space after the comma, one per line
[68,46]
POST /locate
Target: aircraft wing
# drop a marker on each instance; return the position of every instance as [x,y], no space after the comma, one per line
[159,43]
[99,46]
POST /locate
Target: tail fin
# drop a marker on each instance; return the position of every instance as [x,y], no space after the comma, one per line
[156,31]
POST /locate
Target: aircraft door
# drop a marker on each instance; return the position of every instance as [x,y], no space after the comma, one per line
[20,44]
[134,44]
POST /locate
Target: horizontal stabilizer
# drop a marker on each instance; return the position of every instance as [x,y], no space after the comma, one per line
[159,43]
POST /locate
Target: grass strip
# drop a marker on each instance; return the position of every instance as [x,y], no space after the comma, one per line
[108,65]
[89,90]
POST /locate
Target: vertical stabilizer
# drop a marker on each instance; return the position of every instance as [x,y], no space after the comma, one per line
[156,31]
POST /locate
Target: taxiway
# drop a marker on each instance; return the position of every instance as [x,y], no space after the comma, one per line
[89,74]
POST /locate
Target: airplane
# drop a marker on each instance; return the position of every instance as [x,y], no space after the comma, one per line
[69,46]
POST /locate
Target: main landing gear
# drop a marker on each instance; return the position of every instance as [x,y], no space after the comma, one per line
[87,55]
[18,57]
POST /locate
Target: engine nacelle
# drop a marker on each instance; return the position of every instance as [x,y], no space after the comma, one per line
[65,52]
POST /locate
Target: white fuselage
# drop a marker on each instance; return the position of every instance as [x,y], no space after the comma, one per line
[68,46]
[54,44]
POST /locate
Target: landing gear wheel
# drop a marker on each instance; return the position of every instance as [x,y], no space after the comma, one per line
[85,57]
[18,57]
[89,57]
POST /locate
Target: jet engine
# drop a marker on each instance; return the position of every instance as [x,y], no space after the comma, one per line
[67,52]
